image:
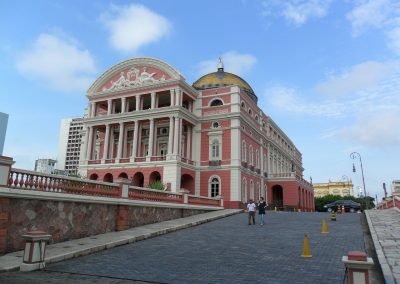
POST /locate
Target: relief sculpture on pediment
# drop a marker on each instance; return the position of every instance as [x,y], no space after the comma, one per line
[133,77]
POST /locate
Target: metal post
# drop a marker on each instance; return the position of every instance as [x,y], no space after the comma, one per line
[353,156]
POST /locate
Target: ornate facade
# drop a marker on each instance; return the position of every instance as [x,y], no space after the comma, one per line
[146,123]
[342,188]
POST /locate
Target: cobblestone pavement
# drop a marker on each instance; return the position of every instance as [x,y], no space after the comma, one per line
[225,251]
[385,232]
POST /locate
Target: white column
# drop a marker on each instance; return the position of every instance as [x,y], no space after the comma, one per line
[171,132]
[123,105]
[151,137]
[180,137]
[89,147]
[188,142]
[172,92]
[92,109]
[138,102]
[178,95]
[109,106]
[106,142]
[153,100]
[176,136]
[261,159]
[85,144]
[120,138]
[135,140]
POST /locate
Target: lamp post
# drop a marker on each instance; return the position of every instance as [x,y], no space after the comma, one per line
[355,155]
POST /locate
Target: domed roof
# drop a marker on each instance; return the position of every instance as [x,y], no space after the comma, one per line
[220,79]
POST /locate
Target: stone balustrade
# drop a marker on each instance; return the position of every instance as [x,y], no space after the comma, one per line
[34,181]
[389,202]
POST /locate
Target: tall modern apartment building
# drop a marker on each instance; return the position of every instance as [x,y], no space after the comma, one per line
[3,129]
[145,123]
[69,145]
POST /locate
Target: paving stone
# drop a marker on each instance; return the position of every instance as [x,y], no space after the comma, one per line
[230,251]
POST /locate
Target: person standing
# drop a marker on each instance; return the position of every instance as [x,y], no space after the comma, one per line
[251,208]
[261,209]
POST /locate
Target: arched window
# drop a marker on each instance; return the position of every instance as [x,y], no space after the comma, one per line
[244,151]
[244,190]
[256,118]
[214,186]
[215,150]
[243,104]
[251,189]
[216,102]
[163,150]
[251,155]
[250,111]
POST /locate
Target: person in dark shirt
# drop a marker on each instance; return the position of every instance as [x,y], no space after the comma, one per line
[261,209]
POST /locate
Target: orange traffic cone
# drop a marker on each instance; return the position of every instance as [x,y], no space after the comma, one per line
[324,227]
[306,248]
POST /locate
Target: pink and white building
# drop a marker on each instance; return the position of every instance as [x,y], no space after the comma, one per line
[146,123]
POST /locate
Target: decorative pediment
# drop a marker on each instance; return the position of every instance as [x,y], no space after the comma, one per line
[135,72]
[135,76]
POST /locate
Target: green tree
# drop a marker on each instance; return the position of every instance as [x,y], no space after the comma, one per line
[323,200]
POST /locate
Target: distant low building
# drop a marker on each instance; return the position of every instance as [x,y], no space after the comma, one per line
[341,188]
[396,187]
[45,166]
[3,129]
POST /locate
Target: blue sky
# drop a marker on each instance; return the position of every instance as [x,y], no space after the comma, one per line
[326,71]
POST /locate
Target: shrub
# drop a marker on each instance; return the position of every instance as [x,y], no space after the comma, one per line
[158,185]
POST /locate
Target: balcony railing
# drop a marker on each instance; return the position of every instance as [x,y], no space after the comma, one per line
[187,161]
[214,163]
[157,158]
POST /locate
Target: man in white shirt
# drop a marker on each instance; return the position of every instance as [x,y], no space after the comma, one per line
[251,208]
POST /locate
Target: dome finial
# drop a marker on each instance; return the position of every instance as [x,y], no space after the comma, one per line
[220,65]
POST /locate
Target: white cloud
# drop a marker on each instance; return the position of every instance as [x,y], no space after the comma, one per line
[58,63]
[394,39]
[290,100]
[234,62]
[369,13]
[134,26]
[297,12]
[360,77]
[383,15]
[376,129]
[371,114]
